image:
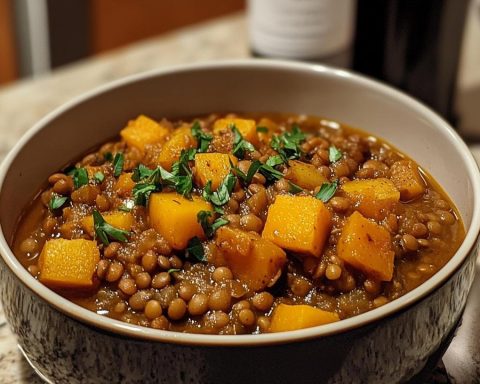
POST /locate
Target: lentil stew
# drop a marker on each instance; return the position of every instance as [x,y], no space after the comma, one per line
[238,224]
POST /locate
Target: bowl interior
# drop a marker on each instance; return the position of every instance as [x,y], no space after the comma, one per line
[259,86]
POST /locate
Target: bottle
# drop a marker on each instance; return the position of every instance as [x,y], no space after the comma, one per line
[315,30]
[414,45]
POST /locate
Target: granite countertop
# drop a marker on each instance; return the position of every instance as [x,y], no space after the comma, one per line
[23,103]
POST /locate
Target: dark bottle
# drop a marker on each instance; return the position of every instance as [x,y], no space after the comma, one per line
[414,45]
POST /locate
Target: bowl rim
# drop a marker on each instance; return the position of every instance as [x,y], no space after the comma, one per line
[138,332]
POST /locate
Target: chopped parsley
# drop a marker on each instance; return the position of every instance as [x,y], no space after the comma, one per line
[172,270]
[80,177]
[334,154]
[240,145]
[104,231]
[141,192]
[327,190]
[195,249]
[99,177]
[294,188]
[153,180]
[209,227]
[202,137]
[267,170]
[118,161]
[273,161]
[246,179]
[288,144]
[262,129]
[56,202]
[222,194]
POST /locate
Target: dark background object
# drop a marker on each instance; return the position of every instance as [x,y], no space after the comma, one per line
[69,31]
[414,45]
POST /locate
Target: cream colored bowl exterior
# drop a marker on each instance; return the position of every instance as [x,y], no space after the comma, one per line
[265,86]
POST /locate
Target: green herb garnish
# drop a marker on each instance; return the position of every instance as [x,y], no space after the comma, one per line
[141,192]
[246,179]
[153,180]
[118,161]
[172,270]
[56,202]
[240,145]
[99,177]
[202,137]
[262,129]
[209,227]
[80,177]
[181,176]
[267,170]
[294,188]
[104,231]
[195,249]
[273,161]
[327,190]
[223,192]
[334,154]
[288,144]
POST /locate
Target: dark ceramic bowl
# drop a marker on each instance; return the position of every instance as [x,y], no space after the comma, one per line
[68,344]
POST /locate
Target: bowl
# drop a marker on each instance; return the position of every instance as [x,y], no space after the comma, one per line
[66,343]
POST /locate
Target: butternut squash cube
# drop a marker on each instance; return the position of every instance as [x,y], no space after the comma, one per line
[292,317]
[298,223]
[180,139]
[305,175]
[143,131]
[374,198]
[246,127]
[120,220]
[406,177]
[175,217]
[68,263]
[253,260]
[124,184]
[212,166]
[367,246]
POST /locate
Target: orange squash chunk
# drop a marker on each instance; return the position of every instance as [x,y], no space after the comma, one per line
[143,131]
[120,220]
[246,127]
[367,246]
[292,317]
[298,223]
[180,139]
[373,198]
[124,184]
[406,177]
[212,166]
[68,263]
[253,260]
[304,175]
[175,217]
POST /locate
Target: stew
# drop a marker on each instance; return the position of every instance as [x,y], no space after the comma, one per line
[238,224]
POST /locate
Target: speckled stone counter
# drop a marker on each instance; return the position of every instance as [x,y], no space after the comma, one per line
[24,103]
